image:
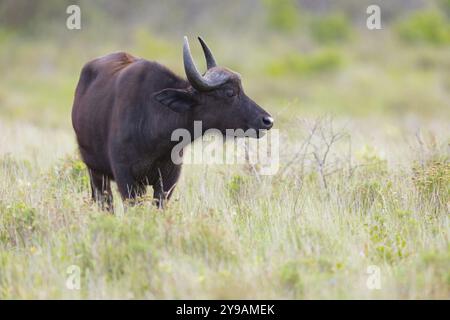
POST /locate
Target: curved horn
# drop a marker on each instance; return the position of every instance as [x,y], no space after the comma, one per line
[194,77]
[211,79]
[210,62]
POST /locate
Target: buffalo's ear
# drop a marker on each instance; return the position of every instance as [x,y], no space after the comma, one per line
[178,100]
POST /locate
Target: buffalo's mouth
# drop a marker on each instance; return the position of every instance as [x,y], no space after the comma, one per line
[246,133]
[256,133]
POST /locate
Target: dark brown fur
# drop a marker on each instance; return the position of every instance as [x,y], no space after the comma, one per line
[124,113]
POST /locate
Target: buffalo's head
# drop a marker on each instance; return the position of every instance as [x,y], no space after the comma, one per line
[216,98]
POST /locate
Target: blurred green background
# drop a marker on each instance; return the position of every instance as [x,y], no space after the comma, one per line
[297,57]
[309,231]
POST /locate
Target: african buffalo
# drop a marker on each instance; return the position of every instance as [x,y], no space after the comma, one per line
[126,108]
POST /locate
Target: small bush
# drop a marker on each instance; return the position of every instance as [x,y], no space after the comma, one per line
[18,222]
[237,186]
[428,27]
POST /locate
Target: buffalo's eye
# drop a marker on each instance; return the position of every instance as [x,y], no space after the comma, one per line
[230,93]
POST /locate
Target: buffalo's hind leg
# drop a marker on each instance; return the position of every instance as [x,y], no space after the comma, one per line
[101,190]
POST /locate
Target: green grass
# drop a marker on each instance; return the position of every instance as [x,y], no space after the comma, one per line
[232,234]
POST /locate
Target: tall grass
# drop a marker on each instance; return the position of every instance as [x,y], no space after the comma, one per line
[230,234]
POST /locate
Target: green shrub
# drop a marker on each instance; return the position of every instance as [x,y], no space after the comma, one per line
[428,27]
[330,29]
[300,64]
[384,244]
[17,224]
[71,171]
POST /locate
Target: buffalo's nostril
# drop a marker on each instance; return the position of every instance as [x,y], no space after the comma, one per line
[267,122]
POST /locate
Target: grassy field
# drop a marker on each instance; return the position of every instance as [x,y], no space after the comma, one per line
[379,196]
[228,233]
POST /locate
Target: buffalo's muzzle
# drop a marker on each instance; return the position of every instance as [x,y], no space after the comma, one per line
[266,122]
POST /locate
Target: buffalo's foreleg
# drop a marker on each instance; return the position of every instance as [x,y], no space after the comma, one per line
[168,175]
[130,189]
[101,190]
